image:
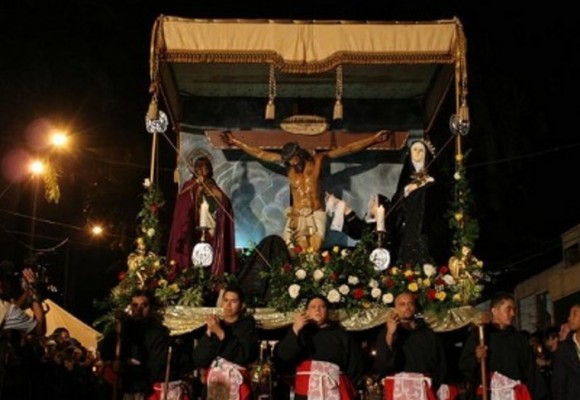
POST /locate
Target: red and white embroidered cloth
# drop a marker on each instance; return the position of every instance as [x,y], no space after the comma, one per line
[504,388]
[323,380]
[408,386]
[225,376]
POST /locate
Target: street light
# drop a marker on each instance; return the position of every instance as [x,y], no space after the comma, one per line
[58,139]
[37,168]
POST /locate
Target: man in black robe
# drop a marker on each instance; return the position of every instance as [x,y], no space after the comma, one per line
[510,358]
[409,352]
[316,345]
[227,349]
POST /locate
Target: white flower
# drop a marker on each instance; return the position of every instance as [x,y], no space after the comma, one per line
[429,270]
[352,280]
[150,232]
[300,274]
[374,283]
[376,293]
[457,176]
[448,279]
[344,253]
[318,274]
[388,298]
[333,296]
[146,183]
[294,290]
[344,289]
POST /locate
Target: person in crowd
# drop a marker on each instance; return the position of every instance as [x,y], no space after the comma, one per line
[409,353]
[227,348]
[185,230]
[306,216]
[509,358]
[136,348]
[551,339]
[410,205]
[61,335]
[13,317]
[565,381]
[326,359]
[20,333]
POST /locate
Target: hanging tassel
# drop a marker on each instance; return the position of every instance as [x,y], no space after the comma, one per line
[337,113]
[153,110]
[271,107]
[464,113]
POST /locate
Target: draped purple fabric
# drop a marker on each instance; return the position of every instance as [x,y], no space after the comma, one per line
[184,234]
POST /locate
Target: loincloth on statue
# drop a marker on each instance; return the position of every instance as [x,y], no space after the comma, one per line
[304,222]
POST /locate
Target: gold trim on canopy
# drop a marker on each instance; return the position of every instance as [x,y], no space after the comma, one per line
[181,320]
[303,46]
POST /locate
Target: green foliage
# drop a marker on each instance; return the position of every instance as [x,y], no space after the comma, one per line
[464,226]
[51,186]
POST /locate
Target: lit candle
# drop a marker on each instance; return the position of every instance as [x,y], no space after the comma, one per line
[380,217]
[204,214]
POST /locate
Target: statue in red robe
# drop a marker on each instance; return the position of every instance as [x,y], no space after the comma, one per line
[185,228]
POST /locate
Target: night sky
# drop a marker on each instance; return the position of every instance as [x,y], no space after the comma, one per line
[83,65]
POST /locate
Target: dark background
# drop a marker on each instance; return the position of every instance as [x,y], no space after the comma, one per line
[83,65]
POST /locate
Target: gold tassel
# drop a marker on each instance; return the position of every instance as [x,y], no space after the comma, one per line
[464,113]
[337,114]
[153,110]
[271,107]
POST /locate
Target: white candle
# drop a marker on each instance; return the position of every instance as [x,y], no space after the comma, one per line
[380,217]
[204,214]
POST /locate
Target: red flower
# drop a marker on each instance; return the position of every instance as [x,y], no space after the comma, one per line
[334,277]
[410,278]
[389,283]
[430,292]
[287,267]
[121,275]
[154,207]
[358,293]
[298,249]
[443,270]
[327,257]
[439,281]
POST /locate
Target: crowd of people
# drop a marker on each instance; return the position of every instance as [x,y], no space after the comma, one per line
[315,358]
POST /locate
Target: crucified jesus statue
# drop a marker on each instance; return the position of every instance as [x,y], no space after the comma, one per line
[306,216]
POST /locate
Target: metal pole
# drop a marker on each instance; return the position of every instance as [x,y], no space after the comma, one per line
[34,209]
[483,364]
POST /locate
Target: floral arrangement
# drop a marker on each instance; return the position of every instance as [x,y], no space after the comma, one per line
[146,269]
[348,279]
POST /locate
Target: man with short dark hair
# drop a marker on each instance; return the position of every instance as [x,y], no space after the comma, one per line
[566,362]
[227,348]
[306,217]
[510,358]
[137,347]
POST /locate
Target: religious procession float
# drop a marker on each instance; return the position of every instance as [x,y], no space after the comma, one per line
[230,91]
